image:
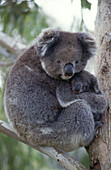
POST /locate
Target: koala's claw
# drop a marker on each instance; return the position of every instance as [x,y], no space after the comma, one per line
[98,124]
[97,117]
[100,92]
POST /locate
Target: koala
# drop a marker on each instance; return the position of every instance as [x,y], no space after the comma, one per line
[85,82]
[33,104]
[79,83]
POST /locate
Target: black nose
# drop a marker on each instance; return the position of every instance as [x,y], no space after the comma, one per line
[77,88]
[68,70]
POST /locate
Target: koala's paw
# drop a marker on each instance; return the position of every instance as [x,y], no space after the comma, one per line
[100,92]
[98,124]
[97,89]
[97,116]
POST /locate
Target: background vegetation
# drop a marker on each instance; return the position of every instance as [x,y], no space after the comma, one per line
[23,20]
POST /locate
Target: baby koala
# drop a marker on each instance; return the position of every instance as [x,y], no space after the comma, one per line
[85,82]
[83,86]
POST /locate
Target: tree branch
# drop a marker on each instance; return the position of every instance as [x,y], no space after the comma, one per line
[11,44]
[60,156]
[6,64]
[6,53]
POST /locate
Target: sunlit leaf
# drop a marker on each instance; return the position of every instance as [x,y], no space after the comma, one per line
[85,4]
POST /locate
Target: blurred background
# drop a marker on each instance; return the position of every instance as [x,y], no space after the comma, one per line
[20,23]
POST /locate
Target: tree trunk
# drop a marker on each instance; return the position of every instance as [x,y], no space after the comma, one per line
[100,150]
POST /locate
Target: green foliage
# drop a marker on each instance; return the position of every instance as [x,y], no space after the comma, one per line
[33,26]
[16,156]
[82,156]
[14,13]
[23,16]
[85,4]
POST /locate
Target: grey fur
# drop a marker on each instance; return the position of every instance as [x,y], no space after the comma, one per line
[88,90]
[32,105]
[85,82]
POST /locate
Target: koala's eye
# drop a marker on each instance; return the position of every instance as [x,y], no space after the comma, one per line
[58,61]
[76,61]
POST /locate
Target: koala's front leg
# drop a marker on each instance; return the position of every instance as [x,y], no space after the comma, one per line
[98,106]
[65,95]
[75,126]
[95,85]
[97,102]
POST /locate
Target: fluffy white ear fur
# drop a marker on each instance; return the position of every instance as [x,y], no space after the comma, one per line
[49,37]
[43,50]
[46,38]
[89,45]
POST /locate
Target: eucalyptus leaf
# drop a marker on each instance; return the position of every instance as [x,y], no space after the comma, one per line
[85,4]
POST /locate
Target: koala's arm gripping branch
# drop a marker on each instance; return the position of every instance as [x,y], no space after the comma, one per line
[60,156]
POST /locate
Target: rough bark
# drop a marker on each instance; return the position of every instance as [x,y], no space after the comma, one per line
[100,150]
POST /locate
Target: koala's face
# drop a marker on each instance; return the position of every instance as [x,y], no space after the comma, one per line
[79,86]
[63,54]
[85,82]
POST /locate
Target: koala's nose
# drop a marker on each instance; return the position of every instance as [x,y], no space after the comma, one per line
[68,70]
[77,88]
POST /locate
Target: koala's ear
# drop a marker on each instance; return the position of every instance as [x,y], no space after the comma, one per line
[47,39]
[88,45]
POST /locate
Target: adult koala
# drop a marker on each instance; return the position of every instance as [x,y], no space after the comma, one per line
[31,100]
